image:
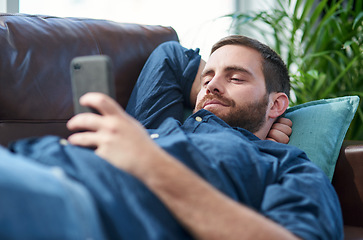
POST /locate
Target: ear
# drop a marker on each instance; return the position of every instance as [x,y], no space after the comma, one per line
[278,104]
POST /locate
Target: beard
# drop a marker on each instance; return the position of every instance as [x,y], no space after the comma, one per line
[250,116]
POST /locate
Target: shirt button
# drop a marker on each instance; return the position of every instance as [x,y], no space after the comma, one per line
[198,119]
[63,142]
[154,135]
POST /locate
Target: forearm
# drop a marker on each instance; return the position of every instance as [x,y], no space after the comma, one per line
[203,210]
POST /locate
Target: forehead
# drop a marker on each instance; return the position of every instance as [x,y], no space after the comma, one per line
[236,55]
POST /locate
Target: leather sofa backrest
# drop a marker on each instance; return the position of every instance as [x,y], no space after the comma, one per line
[35,86]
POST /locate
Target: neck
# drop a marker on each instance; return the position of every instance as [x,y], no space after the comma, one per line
[264,130]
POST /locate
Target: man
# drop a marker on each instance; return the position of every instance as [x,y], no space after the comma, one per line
[217,179]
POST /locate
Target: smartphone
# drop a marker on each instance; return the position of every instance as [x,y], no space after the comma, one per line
[91,74]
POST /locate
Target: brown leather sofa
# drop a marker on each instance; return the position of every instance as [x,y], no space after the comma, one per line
[36,96]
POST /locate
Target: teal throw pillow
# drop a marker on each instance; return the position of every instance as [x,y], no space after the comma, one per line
[319,128]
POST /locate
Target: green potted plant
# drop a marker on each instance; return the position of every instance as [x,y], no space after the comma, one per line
[321,43]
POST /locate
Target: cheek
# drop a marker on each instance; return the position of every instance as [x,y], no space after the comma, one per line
[248,94]
[199,97]
[197,103]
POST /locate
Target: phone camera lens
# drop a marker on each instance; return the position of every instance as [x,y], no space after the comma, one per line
[77,66]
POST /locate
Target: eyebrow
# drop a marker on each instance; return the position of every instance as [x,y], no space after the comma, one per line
[237,69]
[228,69]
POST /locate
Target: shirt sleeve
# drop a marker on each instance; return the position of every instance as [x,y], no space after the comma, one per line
[304,202]
[164,85]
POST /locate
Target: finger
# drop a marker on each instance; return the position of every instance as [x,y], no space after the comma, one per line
[85,121]
[278,136]
[84,139]
[283,128]
[104,104]
[271,139]
[285,121]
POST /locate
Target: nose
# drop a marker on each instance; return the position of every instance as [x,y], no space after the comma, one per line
[215,86]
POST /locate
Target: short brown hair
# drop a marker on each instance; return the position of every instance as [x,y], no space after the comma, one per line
[273,67]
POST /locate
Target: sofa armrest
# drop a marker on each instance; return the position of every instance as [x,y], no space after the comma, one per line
[348,183]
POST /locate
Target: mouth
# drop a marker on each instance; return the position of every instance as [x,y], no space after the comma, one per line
[213,102]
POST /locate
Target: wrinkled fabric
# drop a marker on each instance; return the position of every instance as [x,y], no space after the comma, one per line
[41,202]
[127,209]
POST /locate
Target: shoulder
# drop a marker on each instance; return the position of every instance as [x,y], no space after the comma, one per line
[290,158]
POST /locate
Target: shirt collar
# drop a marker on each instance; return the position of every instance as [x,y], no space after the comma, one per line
[203,116]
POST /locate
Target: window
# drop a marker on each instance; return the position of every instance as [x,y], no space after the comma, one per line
[9,6]
[197,23]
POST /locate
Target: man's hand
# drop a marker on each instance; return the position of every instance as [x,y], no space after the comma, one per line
[115,135]
[280,131]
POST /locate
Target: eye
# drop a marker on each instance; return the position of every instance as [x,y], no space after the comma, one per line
[206,81]
[238,80]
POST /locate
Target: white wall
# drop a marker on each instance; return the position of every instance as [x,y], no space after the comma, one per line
[246,6]
[3,5]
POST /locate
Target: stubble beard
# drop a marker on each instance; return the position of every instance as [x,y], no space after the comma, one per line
[250,116]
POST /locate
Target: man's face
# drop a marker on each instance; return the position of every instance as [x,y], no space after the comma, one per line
[233,87]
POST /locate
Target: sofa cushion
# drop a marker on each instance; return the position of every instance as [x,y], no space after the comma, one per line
[319,128]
